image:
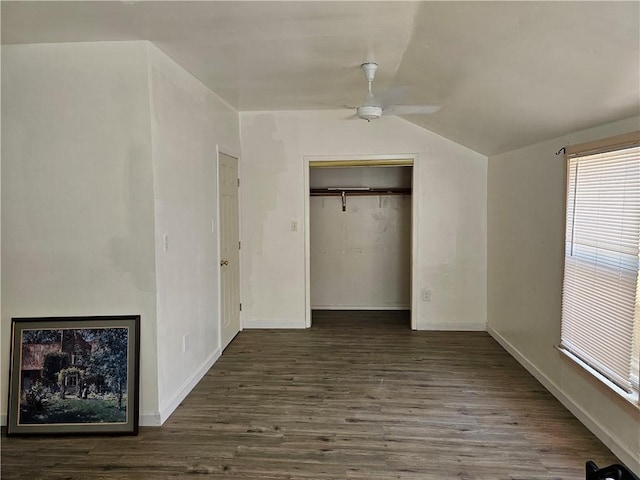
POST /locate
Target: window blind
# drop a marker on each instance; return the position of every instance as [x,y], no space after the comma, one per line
[600,311]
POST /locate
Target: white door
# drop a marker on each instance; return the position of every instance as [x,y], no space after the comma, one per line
[229,247]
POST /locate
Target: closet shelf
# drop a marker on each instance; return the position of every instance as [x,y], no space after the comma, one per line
[338,192]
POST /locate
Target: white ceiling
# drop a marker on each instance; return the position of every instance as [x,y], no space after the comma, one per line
[508,74]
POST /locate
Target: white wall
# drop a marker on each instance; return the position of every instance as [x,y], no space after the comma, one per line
[188,123]
[100,139]
[77,190]
[360,258]
[525,257]
[451,214]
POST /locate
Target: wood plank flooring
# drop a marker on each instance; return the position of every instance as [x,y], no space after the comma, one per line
[357,396]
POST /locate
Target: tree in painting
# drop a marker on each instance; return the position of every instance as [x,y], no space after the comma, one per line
[41,336]
[53,363]
[110,360]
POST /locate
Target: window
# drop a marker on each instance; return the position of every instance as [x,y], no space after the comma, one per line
[600,299]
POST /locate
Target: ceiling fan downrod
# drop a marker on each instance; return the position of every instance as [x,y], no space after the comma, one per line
[369,111]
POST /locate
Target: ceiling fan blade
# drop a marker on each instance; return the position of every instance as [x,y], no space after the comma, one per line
[394,95]
[411,109]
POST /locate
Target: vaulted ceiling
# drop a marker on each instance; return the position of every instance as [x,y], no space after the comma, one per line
[507,74]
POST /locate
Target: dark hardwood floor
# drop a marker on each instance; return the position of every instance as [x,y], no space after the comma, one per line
[357,396]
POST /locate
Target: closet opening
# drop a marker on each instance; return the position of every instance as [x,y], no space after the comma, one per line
[359,241]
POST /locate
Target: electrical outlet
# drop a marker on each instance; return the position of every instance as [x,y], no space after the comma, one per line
[294,225]
[165,242]
[426,295]
[185,343]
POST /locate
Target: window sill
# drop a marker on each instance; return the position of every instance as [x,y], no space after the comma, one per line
[630,398]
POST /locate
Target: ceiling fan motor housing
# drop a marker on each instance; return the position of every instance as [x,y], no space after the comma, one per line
[369,112]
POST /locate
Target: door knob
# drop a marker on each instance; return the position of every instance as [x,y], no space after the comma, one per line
[224,262]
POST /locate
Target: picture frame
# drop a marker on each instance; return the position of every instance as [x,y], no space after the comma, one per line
[74,375]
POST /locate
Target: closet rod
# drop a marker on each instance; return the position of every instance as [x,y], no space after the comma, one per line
[325,192]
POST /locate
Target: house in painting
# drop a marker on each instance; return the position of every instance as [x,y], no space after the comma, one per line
[33,355]
[76,350]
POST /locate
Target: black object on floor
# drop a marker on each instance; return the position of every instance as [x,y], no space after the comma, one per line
[613,472]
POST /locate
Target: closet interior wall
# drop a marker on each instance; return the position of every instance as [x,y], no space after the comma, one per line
[360,241]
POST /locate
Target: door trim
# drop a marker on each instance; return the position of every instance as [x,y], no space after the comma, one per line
[362,160]
[231,153]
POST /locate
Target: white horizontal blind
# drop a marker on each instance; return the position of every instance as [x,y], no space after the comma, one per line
[600,314]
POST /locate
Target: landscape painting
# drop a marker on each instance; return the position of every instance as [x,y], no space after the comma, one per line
[74,375]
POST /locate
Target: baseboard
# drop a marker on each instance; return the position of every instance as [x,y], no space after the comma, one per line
[152,420]
[360,307]
[249,324]
[605,436]
[187,386]
[453,326]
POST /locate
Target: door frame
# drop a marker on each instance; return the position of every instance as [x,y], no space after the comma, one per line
[231,153]
[374,160]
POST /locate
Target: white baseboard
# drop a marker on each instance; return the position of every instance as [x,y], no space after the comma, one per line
[453,327]
[360,307]
[168,408]
[248,324]
[605,436]
[152,420]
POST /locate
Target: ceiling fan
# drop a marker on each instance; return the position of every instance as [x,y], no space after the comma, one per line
[373,107]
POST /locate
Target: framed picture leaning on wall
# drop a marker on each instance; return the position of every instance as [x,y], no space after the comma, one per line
[74,375]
